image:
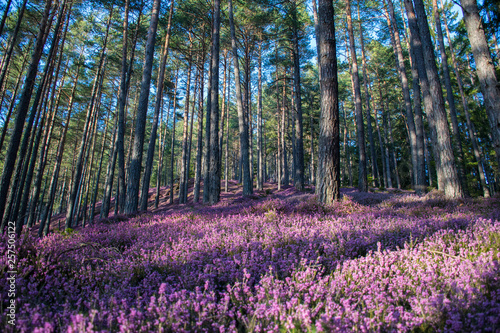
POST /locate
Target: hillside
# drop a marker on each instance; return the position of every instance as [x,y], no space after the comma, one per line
[271,262]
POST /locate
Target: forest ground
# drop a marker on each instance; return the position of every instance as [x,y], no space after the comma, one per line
[274,261]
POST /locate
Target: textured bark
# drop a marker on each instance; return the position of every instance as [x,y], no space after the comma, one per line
[457,142]
[243,126]
[419,182]
[134,173]
[328,178]
[362,179]
[159,97]
[485,70]
[214,162]
[447,169]
[475,144]
[226,164]
[22,111]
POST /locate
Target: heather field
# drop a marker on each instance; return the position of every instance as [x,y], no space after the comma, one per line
[274,262]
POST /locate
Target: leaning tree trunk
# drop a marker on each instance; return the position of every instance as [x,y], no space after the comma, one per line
[22,111]
[243,126]
[490,86]
[159,98]
[470,125]
[328,177]
[76,182]
[362,181]
[134,175]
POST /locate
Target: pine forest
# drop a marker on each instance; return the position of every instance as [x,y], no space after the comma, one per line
[249,166]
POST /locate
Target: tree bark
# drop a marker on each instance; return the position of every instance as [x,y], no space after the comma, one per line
[447,168]
[485,70]
[22,111]
[134,175]
[362,179]
[419,182]
[243,126]
[159,97]
[328,178]
[457,142]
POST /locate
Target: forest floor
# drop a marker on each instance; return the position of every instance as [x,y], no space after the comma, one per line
[274,261]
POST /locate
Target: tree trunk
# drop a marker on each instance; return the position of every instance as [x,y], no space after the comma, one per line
[419,182]
[22,111]
[328,178]
[260,174]
[172,146]
[134,175]
[457,142]
[485,70]
[447,171]
[76,182]
[470,125]
[159,97]
[4,16]
[362,181]
[199,147]
[299,140]
[214,163]
[243,126]
[184,171]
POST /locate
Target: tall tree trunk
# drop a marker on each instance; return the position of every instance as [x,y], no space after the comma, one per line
[457,142]
[134,174]
[122,101]
[159,97]
[226,167]
[76,182]
[22,111]
[13,101]
[470,125]
[214,163]
[328,179]
[362,179]
[184,171]
[368,108]
[419,182]
[13,40]
[485,70]
[172,145]
[299,137]
[243,126]
[260,173]
[199,147]
[4,16]
[447,169]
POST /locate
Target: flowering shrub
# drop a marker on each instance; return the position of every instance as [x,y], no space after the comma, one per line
[371,262]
